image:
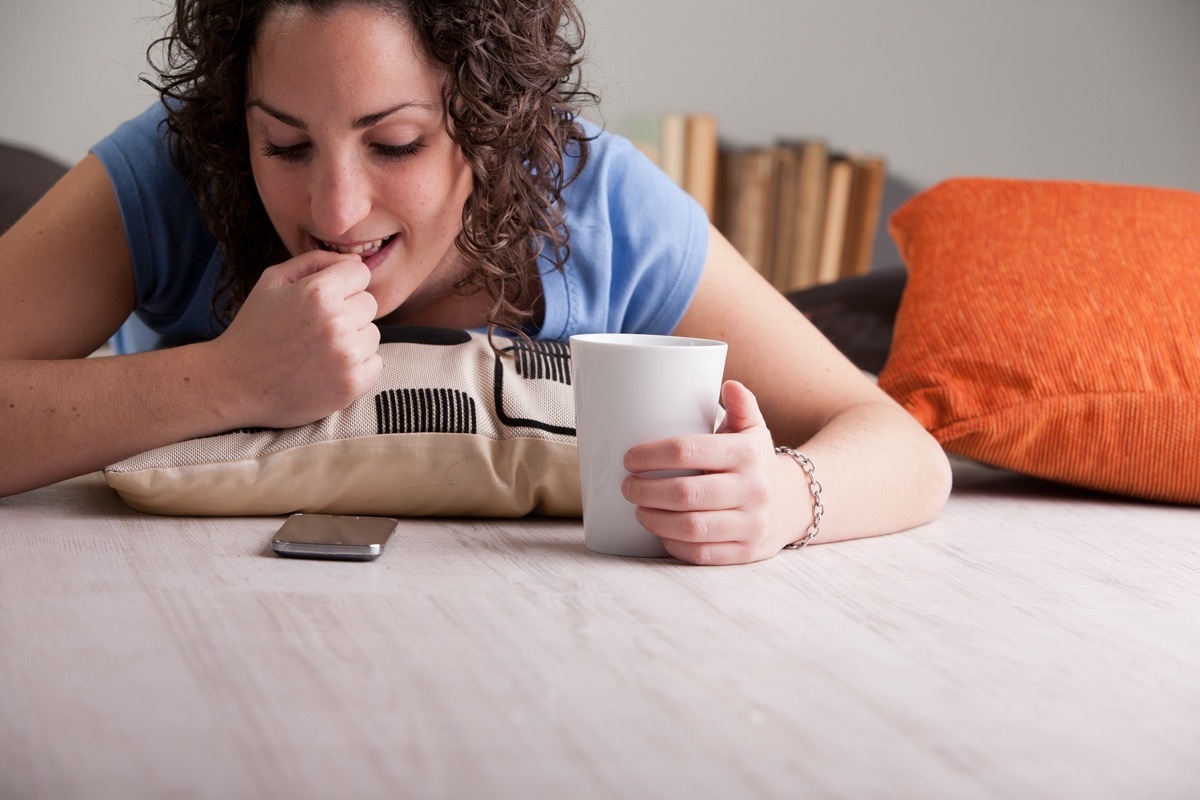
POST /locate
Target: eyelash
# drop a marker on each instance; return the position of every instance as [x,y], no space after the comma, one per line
[296,152]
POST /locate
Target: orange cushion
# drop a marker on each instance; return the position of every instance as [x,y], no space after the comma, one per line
[1052,328]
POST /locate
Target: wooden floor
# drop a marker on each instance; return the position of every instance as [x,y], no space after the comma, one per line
[1032,643]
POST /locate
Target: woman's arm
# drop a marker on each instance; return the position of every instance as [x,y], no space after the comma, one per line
[880,471]
[302,346]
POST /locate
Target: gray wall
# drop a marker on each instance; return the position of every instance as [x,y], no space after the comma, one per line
[69,70]
[1091,89]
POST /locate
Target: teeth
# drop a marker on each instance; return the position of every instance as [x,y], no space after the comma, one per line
[359,249]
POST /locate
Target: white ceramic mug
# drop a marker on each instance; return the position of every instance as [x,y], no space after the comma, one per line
[630,389]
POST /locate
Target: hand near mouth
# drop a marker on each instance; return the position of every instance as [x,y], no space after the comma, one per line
[304,343]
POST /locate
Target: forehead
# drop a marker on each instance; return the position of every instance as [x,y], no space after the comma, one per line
[374,11]
[350,50]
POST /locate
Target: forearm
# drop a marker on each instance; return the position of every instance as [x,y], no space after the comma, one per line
[64,418]
[879,471]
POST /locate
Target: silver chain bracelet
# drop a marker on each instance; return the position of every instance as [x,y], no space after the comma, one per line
[814,486]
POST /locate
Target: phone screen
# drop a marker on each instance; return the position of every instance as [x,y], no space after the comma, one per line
[333,536]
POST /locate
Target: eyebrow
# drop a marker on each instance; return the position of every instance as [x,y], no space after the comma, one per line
[362,123]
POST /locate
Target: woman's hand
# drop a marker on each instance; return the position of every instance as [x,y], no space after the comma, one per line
[741,509]
[304,344]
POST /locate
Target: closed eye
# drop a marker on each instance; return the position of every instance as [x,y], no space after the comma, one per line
[290,153]
[399,150]
[297,152]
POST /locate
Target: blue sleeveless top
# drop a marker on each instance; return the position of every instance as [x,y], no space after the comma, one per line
[638,243]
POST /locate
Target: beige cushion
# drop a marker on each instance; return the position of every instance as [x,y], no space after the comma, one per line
[452,429]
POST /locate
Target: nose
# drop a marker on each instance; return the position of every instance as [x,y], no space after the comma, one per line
[340,195]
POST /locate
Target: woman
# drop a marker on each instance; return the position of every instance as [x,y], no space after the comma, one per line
[331,164]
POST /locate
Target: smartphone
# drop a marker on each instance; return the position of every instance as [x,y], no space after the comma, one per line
[333,536]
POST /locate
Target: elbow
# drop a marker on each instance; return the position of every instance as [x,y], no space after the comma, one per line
[937,479]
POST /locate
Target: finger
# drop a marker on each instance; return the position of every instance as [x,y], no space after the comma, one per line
[702,452]
[741,409]
[712,491]
[369,342]
[695,526]
[373,334]
[715,553]
[359,365]
[372,368]
[362,308]
[349,276]
[354,347]
[310,263]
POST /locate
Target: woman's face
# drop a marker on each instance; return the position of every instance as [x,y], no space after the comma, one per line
[349,148]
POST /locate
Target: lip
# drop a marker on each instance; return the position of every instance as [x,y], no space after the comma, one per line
[372,261]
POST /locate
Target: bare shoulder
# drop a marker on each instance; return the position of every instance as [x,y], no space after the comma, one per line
[66,279]
[798,376]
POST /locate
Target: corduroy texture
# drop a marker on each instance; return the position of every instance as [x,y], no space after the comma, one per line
[1052,328]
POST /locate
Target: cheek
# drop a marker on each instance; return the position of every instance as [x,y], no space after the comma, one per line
[271,188]
[427,201]
[282,197]
[443,191]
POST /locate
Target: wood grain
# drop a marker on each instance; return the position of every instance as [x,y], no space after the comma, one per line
[1033,642]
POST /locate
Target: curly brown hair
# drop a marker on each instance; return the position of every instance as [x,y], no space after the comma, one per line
[512,93]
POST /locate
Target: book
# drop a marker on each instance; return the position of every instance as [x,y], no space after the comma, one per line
[700,160]
[784,230]
[672,145]
[801,212]
[862,217]
[746,202]
[684,145]
[837,207]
